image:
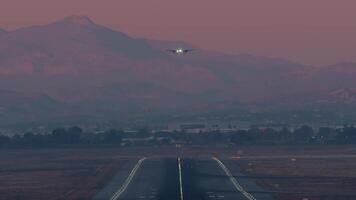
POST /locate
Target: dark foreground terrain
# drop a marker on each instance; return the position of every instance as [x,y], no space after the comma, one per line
[56,174]
[190,173]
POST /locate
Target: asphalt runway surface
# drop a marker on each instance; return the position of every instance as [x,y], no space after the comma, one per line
[181,179]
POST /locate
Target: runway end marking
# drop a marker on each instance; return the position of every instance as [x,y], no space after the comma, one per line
[180,179]
[128,180]
[233,180]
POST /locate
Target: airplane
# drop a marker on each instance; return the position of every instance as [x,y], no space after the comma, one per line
[180,51]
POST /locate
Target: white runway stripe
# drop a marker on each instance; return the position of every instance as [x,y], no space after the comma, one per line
[180,179]
[234,181]
[128,180]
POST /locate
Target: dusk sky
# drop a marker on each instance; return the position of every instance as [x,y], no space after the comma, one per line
[309,31]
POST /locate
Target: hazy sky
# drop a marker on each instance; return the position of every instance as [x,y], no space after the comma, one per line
[308,31]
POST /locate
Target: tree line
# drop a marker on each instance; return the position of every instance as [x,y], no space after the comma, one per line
[62,137]
[301,135]
[75,137]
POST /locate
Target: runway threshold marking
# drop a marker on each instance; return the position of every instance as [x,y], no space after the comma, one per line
[128,180]
[180,179]
[233,180]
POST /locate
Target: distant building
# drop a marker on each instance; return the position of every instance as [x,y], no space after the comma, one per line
[193,128]
[277,127]
[138,141]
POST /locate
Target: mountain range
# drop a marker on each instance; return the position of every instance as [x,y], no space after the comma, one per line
[75,69]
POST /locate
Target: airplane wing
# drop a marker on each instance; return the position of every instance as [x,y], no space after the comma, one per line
[187,50]
[171,50]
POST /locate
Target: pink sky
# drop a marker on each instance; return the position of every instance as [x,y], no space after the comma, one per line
[308,31]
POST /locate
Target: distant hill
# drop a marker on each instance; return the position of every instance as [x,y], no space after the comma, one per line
[2,31]
[88,70]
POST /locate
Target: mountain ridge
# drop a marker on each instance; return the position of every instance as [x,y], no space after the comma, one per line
[75,61]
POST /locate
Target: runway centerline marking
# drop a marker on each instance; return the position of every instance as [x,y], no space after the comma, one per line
[128,180]
[180,179]
[233,180]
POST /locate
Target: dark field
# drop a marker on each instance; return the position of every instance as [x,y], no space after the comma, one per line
[309,178]
[320,172]
[314,173]
[56,174]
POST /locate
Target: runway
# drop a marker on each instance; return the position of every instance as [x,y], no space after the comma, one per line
[183,179]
